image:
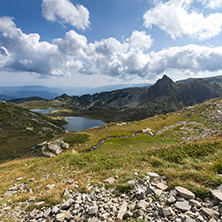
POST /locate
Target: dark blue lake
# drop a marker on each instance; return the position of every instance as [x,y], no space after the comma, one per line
[74,123]
[81,123]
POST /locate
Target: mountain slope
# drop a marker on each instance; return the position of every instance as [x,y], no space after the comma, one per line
[20,129]
[141,102]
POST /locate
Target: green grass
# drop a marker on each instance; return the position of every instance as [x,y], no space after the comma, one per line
[193,165]
[73,138]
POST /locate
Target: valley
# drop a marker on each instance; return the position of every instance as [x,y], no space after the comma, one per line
[183,148]
[133,103]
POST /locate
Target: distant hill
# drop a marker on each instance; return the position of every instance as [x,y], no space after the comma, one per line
[9,93]
[20,129]
[28,99]
[216,79]
[17,92]
[141,102]
[5,97]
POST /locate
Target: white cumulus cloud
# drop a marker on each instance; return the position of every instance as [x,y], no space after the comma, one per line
[177,18]
[74,55]
[65,12]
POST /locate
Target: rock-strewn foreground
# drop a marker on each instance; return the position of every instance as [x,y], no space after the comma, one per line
[151,200]
[78,183]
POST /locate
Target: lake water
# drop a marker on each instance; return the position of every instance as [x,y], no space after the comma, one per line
[43,111]
[74,123]
[81,123]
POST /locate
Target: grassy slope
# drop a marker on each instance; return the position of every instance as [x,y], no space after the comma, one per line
[21,129]
[194,165]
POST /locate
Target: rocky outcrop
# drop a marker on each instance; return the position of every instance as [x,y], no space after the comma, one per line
[149,201]
[50,149]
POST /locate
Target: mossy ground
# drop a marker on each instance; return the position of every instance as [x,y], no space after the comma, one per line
[195,165]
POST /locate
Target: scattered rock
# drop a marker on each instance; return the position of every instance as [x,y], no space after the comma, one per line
[209,212]
[151,174]
[217,194]
[110,180]
[9,193]
[185,193]
[167,211]
[161,186]
[106,205]
[93,210]
[183,205]
[122,211]
[61,217]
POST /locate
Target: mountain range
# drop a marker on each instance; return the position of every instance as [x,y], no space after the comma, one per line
[140,102]
[17,92]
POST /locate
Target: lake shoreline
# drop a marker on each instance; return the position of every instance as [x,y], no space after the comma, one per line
[74,123]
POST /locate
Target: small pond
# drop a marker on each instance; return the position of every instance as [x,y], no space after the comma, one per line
[74,123]
[43,111]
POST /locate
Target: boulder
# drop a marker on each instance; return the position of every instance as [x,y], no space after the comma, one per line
[183,205]
[217,194]
[167,211]
[54,148]
[122,211]
[209,212]
[92,210]
[183,192]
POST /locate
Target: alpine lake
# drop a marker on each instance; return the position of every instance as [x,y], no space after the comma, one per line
[74,123]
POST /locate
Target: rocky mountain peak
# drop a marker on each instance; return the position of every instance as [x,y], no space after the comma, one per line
[162,87]
[165,79]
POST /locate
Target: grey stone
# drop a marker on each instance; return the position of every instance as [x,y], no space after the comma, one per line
[142,204]
[66,193]
[171,200]
[183,192]
[61,217]
[47,212]
[217,194]
[131,206]
[105,216]
[209,212]
[39,203]
[183,205]
[195,203]
[152,174]
[33,213]
[67,204]
[94,220]
[92,210]
[110,180]
[50,186]
[54,148]
[122,211]
[9,193]
[161,186]
[128,214]
[69,216]
[167,211]
[188,219]
[140,194]
[65,146]
[55,209]
[212,220]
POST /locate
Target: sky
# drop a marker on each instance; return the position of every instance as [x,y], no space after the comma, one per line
[89,43]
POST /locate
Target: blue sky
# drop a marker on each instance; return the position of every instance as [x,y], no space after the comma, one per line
[100,42]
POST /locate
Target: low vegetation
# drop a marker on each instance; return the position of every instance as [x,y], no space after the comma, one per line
[179,153]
